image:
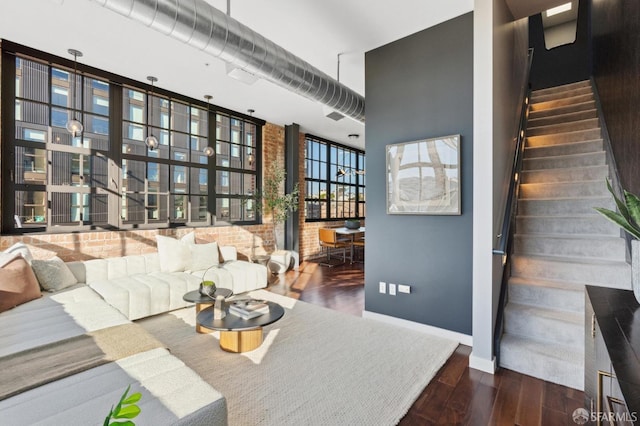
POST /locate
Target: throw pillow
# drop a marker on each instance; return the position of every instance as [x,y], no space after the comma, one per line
[189,238]
[203,256]
[23,250]
[53,274]
[174,254]
[18,284]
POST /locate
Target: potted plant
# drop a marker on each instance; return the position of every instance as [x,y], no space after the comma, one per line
[273,201]
[628,218]
[125,410]
[207,288]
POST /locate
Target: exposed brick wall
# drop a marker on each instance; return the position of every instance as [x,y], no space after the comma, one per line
[104,244]
[272,151]
[272,145]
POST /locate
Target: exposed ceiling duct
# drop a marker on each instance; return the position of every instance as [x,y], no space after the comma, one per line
[204,27]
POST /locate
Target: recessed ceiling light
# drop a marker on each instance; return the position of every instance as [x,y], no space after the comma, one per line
[558,9]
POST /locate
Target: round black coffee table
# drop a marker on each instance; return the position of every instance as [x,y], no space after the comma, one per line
[203,302]
[237,334]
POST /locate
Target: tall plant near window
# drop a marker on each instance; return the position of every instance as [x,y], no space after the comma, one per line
[273,200]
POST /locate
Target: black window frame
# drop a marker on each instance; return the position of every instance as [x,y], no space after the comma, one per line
[114,154]
[322,174]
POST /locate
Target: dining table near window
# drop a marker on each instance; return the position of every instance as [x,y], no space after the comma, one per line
[351,233]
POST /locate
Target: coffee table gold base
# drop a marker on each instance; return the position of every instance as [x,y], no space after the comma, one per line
[240,341]
[200,329]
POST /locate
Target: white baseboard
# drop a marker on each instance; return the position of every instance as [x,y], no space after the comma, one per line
[482,364]
[424,328]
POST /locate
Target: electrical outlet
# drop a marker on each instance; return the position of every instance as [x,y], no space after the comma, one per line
[402,288]
[392,289]
[383,287]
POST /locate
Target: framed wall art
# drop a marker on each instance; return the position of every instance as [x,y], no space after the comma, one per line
[423,176]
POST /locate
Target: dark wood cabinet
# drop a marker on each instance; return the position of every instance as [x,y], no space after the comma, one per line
[612,356]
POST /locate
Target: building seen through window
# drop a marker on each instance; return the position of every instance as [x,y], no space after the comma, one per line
[335,181]
[106,178]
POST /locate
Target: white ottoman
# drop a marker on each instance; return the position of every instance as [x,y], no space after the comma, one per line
[281,261]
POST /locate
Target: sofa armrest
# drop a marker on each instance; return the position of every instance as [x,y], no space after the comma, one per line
[229,253]
[79,271]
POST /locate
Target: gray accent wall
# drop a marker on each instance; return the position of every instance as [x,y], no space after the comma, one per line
[421,87]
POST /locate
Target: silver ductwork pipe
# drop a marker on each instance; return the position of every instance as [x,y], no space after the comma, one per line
[204,27]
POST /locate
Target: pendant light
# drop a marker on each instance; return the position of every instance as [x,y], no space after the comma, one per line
[250,158]
[74,126]
[208,150]
[151,141]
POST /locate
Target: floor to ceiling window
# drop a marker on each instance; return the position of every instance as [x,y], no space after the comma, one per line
[236,171]
[335,181]
[171,182]
[105,177]
[59,178]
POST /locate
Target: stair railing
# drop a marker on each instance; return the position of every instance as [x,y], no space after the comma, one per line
[504,238]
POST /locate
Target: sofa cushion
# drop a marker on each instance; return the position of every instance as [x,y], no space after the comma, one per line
[142,295]
[172,394]
[56,316]
[119,267]
[203,256]
[53,274]
[18,284]
[237,275]
[174,254]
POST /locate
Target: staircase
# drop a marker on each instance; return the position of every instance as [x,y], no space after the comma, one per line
[561,243]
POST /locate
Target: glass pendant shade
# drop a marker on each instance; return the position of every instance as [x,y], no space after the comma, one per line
[208,151]
[74,127]
[151,142]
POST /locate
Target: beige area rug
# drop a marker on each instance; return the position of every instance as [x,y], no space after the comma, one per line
[315,367]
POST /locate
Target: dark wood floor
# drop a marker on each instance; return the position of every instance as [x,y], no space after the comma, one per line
[457,395]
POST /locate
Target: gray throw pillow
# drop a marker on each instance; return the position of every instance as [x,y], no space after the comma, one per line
[53,274]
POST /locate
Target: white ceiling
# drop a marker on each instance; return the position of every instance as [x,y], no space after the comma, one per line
[316,31]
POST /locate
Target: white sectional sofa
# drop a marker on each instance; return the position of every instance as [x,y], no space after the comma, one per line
[112,292]
[136,286]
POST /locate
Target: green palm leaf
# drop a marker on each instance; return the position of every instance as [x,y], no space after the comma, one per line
[633,205]
[128,412]
[619,220]
[622,208]
[125,409]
